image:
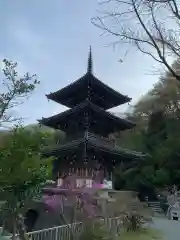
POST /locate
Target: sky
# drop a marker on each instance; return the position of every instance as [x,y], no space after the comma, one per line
[52,39]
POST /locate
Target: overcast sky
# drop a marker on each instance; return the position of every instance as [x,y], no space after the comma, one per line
[52,38]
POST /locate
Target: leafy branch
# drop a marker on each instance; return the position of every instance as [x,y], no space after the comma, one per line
[15,89]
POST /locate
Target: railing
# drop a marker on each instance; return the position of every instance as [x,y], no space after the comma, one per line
[72,231]
[103,140]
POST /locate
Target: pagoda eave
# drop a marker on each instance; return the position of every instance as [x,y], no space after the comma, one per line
[105,121]
[92,144]
[111,98]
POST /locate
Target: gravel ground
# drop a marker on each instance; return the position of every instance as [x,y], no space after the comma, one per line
[169,228]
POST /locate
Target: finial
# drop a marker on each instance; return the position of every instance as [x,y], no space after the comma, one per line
[89,67]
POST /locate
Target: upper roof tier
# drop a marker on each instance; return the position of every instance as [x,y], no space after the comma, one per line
[99,121]
[91,88]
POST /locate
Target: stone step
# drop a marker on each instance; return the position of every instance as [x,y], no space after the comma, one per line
[155,206]
[154,203]
[157,210]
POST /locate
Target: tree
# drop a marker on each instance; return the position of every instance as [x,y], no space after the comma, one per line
[161,167]
[14,90]
[146,173]
[164,96]
[151,26]
[156,133]
[23,173]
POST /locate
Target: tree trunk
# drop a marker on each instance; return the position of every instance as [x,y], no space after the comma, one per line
[21,228]
[14,227]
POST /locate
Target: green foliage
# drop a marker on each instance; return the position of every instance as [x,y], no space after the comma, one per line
[132,222]
[20,159]
[162,177]
[23,172]
[94,231]
[157,133]
[156,130]
[142,234]
[14,90]
[53,136]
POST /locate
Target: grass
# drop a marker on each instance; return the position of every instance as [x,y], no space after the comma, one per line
[148,234]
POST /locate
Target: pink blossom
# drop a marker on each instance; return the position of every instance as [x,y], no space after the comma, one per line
[69,195]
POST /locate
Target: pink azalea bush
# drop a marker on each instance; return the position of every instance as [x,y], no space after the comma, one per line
[69,195]
[78,199]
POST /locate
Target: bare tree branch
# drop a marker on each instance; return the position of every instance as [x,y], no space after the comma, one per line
[152,26]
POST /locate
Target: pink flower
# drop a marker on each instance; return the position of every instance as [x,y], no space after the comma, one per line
[97,185]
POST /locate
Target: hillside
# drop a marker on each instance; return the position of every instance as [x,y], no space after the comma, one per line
[38,127]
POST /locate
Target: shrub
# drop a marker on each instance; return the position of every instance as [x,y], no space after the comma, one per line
[94,231]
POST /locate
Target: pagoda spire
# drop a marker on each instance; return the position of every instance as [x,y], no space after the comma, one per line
[89,67]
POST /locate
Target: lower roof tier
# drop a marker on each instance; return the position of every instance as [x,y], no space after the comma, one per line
[93,144]
[86,114]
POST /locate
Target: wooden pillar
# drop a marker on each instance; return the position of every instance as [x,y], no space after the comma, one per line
[112,178]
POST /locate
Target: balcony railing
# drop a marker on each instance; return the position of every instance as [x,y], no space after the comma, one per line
[87,135]
[102,140]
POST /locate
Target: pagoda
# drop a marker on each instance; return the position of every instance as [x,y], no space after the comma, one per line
[88,146]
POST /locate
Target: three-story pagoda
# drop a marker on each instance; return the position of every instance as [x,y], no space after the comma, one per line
[88,125]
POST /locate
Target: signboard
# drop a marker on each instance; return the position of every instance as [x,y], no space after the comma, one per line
[107,184]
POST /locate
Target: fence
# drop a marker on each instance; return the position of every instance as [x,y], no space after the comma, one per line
[71,231]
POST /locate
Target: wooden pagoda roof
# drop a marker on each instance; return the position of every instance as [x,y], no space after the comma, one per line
[93,142]
[100,121]
[89,87]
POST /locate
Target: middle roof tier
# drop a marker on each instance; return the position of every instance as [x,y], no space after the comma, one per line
[87,116]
